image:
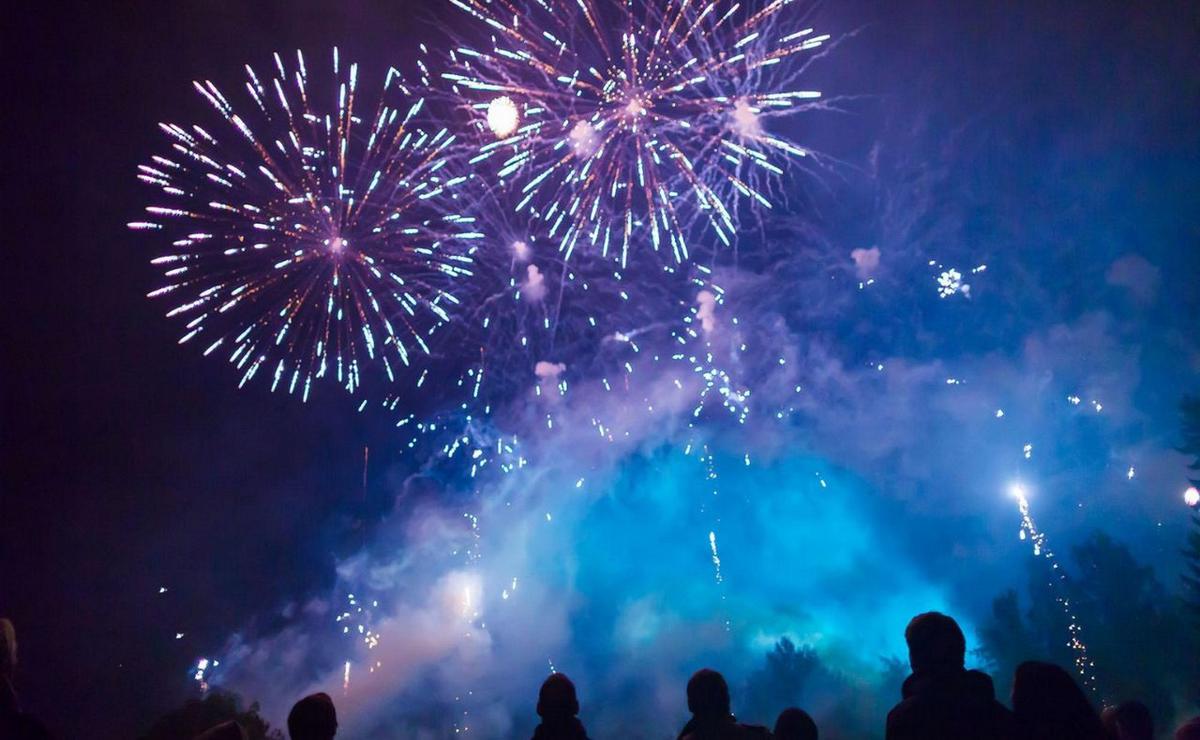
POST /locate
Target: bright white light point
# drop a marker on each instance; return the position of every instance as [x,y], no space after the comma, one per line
[178,635]
[1017,491]
[1129,473]
[999,413]
[583,139]
[534,287]
[503,117]
[1191,496]
[745,123]
[162,589]
[1028,451]
[547,516]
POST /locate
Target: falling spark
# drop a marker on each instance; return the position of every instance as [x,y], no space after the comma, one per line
[1084,665]
[716,559]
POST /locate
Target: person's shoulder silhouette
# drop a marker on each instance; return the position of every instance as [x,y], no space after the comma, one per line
[14,723]
[1129,720]
[941,699]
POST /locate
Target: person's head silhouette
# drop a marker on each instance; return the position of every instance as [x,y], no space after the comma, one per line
[708,695]
[313,718]
[935,643]
[557,699]
[1129,720]
[795,724]
[1189,730]
[8,649]
[230,730]
[1047,699]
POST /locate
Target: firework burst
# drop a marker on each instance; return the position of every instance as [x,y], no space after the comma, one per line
[312,235]
[613,117]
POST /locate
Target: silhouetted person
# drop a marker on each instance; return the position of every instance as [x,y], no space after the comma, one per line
[795,724]
[708,701]
[14,724]
[1051,706]
[230,730]
[1189,730]
[313,718]
[558,706]
[1129,720]
[942,700]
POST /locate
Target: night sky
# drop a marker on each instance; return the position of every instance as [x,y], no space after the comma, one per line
[1056,142]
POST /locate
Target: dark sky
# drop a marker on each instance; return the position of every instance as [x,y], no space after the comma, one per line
[130,463]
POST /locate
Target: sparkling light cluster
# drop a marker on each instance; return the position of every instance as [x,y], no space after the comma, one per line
[616,118]
[312,233]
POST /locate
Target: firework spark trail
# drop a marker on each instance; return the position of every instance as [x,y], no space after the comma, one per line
[613,116]
[1084,665]
[531,321]
[314,236]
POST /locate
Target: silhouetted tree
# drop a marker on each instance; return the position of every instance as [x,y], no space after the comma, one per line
[1190,616]
[845,707]
[1011,637]
[1190,575]
[198,715]
[1191,447]
[1129,622]
[1006,641]
[780,683]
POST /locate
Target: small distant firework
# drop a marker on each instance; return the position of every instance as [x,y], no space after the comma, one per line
[356,621]
[314,234]
[950,282]
[614,116]
[201,671]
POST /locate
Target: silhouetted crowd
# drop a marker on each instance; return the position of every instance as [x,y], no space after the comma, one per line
[940,700]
